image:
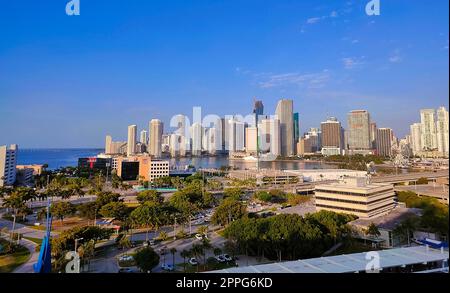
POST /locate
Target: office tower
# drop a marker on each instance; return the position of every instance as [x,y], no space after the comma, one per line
[314,135]
[177,145]
[331,137]
[359,130]
[304,146]
[296,127]
[239,139]
[131,143]
[196,137]
[285,114]
[156,128]
[118,147]
[373,135]
[269,136]
[251,140]
[428,121]
[183,130]
[258,110]
[416,138]
[212,145]
[8,163]
[144,137]
[442,131]
[108,142]
[385,137]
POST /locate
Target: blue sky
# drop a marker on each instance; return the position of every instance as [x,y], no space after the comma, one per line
[69,81]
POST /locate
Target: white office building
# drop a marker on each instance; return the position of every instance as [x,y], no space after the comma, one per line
[196,138]
[442,131]
[8,162]
[131,143]
[428,121]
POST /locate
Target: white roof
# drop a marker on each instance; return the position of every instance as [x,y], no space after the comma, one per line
[347,263]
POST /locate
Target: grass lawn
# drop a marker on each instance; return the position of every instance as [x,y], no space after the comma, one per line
[38,241]
[9,262]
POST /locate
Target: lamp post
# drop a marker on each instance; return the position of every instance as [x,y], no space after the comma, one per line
[76,243]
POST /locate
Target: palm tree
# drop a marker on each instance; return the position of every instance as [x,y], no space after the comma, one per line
[203,230]
[185,254]
[197,250]
[163,236]
[173,250]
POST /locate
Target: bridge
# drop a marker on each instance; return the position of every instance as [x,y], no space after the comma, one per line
[411,177]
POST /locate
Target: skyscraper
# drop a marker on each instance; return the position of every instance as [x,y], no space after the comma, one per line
[359,130]
[156,128]
[296,128]
[416,138]
[108,142]
[258,110]
[373,135]
[331,137]
[285,114]
[8,162]
[442,131]
[196,136]
[428,121]
[144,137]
[269,136]
[251,140]
[131,142]
[384,141]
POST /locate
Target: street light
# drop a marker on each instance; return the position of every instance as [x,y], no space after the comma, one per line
[76,243]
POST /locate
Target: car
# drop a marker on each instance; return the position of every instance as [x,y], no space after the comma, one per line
[220,258]
[200,236]
[193,261]
[126,258]
[227,257]
[167,267]
[125,271]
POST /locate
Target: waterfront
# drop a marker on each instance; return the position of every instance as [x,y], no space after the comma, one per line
[57,158]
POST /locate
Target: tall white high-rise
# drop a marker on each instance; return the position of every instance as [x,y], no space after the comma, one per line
[108,142]
[428,121]
[269,136]
[144,137]
[182,128]
[416,138]
[131,142]
[285,114]
[156,128]
[442,131]
[196,136]
[8,162]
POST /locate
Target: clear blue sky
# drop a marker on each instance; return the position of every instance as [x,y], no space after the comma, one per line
[69,81]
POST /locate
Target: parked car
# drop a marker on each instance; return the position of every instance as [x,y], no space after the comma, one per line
[193,261]
[220,258]
[126,258]
[167,268]
[125,271]
[227,257]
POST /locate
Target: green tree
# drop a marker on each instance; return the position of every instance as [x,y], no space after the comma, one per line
[146,259]
[163,236]
[148,215]
[228,211]
[117,210]
[61,210]
[149,195]
[372,230]
[234,193]
[185,254]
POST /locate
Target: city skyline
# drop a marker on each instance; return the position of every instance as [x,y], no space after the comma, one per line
[127,64]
